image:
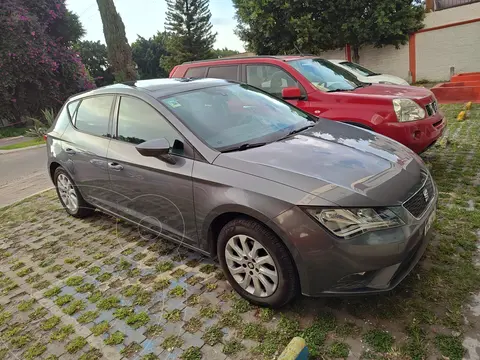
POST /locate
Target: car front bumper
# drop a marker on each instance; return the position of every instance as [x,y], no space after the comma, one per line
[416,135]
[368,264]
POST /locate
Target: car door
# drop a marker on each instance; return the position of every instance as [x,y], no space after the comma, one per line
[149,191]
[273,79]
[86,144]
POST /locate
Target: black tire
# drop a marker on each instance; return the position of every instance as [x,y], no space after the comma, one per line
[288,283]
[84,209]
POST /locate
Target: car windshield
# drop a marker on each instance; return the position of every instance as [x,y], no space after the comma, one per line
[325,75]
[230,116]
[358,68]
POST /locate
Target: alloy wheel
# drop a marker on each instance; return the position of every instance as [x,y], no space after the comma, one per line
[251,266]
[67,193]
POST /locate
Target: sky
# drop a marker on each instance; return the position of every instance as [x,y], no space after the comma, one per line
[146,17]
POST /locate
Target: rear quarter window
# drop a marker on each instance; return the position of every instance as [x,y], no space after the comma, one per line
[93,115]
[196,72]
[223,72]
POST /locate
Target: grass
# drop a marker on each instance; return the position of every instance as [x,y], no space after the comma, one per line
[23,144]
[379,340]
[52,292]
[192,353]
[172,342]
[115,339]
[100,328]
[74,307]
[137,320]
[173,316]
[450,346]
[11,131]
[232,347]
[108,303]
[50,323]
[35,351]
[76,344]
[88,316]
[193,325]
[62,333]
[213,335]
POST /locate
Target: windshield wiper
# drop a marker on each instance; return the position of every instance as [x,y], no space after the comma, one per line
[296,131]
[244,147]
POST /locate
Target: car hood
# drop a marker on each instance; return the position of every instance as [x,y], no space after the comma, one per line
[384,77]
[339,163]
[395,91]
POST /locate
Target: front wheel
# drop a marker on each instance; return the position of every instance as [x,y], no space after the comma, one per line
[256,263]
[69,195]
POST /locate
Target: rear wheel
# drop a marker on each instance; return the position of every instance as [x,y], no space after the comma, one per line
[257,263]
[69,195]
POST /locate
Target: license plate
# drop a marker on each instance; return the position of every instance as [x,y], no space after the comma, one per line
[430,221]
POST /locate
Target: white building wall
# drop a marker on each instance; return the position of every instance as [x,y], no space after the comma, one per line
[334,54]
[386,60]
[438,50]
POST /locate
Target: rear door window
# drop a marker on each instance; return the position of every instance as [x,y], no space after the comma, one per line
[196,72]
[223,72]
[269,78]
[93,115]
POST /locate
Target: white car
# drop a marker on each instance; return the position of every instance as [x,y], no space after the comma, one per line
[368,76]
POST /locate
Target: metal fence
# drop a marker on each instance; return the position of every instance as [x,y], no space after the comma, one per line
[446,4]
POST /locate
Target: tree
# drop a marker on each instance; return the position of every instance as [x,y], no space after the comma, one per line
[94,56]
[147,55]
[220,53]
[38,68]
[280,27]
[119,51]
[192,37]
[375,22]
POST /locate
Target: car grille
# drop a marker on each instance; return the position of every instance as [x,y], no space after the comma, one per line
[432,108]
[418,203]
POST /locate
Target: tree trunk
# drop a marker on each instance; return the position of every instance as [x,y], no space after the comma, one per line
[119,51]
[356,54]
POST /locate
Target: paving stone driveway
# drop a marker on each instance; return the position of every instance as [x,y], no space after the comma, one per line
[98,288]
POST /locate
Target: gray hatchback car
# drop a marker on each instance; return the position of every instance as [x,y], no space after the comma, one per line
[287,202]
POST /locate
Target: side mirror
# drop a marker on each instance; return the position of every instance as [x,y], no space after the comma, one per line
[159,148]
[291,93]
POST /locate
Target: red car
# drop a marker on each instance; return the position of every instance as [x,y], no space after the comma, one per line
[407,114]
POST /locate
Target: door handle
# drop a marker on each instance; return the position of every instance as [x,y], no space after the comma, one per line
[115,166]
[70,151]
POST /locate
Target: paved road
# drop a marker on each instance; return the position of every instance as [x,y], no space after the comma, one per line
[22,173]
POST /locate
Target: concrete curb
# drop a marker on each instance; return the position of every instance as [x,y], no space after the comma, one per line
[4,152]
[11,138]
[26,197]
[295,350]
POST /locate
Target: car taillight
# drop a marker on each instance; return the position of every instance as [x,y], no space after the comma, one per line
[45,137]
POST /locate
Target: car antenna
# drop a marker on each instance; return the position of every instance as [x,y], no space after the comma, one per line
[301,54]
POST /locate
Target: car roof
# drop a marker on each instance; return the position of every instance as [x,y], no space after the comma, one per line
[158,87]
[242,58]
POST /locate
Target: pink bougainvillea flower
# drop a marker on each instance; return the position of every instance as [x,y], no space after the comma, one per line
[33,33]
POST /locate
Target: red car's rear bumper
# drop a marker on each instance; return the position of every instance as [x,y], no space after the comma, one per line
[417,135]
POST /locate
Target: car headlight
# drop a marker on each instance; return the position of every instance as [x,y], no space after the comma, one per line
[386,83]
[347,223]
[407,110]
